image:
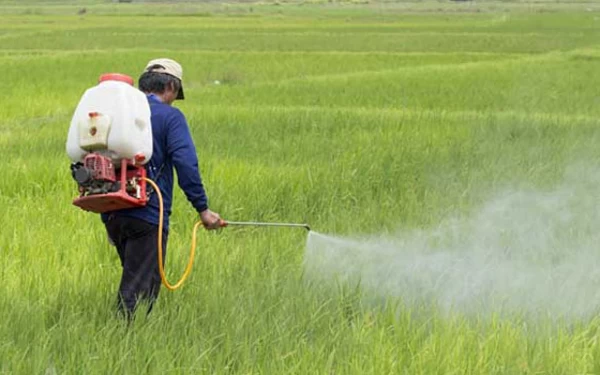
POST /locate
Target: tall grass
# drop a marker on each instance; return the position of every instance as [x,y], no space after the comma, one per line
[356,125]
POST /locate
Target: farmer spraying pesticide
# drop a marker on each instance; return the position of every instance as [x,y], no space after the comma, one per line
[134,230]
[124,144]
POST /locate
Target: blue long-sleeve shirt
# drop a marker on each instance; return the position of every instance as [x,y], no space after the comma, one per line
[172,147]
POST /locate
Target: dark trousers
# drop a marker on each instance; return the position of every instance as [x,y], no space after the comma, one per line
[137,244]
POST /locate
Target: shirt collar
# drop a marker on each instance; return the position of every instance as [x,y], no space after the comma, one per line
[154,98]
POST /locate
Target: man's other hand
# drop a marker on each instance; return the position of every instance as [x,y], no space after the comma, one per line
[211,220]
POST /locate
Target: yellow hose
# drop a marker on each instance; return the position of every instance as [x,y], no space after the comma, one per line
[161,268]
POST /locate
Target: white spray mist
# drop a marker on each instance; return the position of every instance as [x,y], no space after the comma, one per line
[524,252]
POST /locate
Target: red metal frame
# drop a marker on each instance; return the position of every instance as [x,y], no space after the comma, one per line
[121,199]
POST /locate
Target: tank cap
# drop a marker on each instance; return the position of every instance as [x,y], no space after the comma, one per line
[116,77]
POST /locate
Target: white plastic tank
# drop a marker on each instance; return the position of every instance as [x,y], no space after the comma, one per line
[113,119]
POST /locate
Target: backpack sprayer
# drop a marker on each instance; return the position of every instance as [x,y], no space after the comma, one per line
[109,143]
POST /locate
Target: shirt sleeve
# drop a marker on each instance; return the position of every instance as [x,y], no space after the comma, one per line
[181,149]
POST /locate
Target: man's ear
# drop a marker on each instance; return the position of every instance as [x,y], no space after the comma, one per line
[171,86]
[171,89]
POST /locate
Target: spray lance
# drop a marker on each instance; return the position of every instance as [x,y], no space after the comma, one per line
[224,223]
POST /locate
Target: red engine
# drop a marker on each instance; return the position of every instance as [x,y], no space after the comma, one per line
[104,187]
[101,167]
[96,175]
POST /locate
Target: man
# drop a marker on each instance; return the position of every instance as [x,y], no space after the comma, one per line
[134,231]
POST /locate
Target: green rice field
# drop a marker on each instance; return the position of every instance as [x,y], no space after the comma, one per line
[359,118]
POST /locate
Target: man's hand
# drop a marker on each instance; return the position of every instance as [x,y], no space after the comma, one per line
[211,220]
